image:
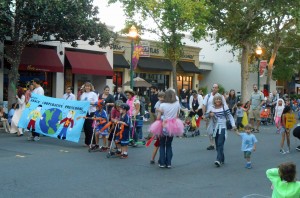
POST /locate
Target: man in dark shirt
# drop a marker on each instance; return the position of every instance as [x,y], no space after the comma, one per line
[120,95]
[153,100]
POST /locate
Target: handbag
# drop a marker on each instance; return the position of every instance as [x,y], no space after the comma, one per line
[228,123]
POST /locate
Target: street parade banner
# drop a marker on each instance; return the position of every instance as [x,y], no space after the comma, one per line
[54,117]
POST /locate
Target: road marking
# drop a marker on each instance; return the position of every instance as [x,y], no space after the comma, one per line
[21,156]
[256,195]
[64,151]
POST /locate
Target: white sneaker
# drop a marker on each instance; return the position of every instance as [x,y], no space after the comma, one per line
[36,138]
[282,151]
[288,151]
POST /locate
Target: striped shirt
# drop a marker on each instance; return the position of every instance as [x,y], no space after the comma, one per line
[219,119]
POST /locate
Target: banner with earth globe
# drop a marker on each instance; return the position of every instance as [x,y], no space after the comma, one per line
[54,117]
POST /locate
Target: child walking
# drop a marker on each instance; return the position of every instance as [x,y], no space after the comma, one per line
[239,116]
[287,123]
[161,97]
[248,144]
[123,130]
[101,120]
[283,180]
[278,113]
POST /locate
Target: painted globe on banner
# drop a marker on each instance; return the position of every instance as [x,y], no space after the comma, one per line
[49,123]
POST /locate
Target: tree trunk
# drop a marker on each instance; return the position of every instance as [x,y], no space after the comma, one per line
[271,63]
[13,55]
[245,71]
[174,73]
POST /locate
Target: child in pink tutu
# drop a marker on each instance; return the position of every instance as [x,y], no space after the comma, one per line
[169,127]
[278,113]
[161,97]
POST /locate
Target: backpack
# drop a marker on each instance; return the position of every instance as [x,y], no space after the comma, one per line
[142,105]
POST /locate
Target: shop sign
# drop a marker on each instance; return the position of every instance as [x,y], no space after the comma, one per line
[146,49]
[188,56]
[118,47]
[33,68]
[154,50]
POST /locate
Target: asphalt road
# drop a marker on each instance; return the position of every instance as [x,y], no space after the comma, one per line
[56,168]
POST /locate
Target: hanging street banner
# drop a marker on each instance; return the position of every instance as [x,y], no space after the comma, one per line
[138,50]
[54,117]
[262,67]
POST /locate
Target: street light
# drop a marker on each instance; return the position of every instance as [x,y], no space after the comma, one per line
[132,34]
[258,52]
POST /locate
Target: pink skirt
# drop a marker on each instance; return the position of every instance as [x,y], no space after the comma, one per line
[174,127]
[156,127]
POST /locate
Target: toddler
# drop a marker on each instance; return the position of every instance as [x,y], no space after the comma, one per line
[248,144]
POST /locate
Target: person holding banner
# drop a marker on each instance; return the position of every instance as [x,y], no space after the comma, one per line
[18,112]
[38,89]
[90,96]
[69,95]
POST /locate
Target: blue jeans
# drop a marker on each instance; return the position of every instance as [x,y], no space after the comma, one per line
[165,150]
[220,140]
[138,131]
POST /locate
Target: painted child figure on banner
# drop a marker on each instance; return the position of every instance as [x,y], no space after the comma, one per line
[68,125]
[34,115]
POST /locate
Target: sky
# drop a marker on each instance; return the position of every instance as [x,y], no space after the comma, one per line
[111,15]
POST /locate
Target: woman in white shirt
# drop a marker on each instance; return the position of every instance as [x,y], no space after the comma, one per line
[170,126]
[18,112]
[196,103]
[220,113]
[92,97]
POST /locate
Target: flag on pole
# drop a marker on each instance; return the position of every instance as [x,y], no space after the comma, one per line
[262,67]
[138,50]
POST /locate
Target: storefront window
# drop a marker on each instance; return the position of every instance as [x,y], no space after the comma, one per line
[26,77]
[117,79]
[184,82]
[69,78]
[159,80]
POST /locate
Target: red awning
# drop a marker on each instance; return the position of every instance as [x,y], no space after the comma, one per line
[88,63]
[40,59]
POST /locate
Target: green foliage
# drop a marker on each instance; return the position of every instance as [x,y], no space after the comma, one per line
[62,20]
[171,18]
[221,89]
[204,90]
[288,58]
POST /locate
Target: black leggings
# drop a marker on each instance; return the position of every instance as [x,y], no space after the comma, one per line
[88,129]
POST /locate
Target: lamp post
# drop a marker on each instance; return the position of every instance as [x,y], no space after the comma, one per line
[132,35]
[258,53]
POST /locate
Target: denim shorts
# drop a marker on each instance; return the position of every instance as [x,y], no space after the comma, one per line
[247,154]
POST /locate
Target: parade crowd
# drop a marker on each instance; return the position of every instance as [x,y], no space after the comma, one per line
[118,120]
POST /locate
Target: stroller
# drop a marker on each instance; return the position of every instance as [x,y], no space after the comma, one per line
[190,130]
[266,116]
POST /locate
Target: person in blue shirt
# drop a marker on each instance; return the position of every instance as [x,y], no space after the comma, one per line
[248,144]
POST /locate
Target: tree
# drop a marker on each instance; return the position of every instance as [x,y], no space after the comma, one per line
[172,18]
[238,23]
[281,20]
[63,20]
[287,63]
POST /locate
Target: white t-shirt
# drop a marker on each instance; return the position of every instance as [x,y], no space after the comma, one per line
[70,96]
[170,110]
[39,91]
[279,110]
[91,97]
